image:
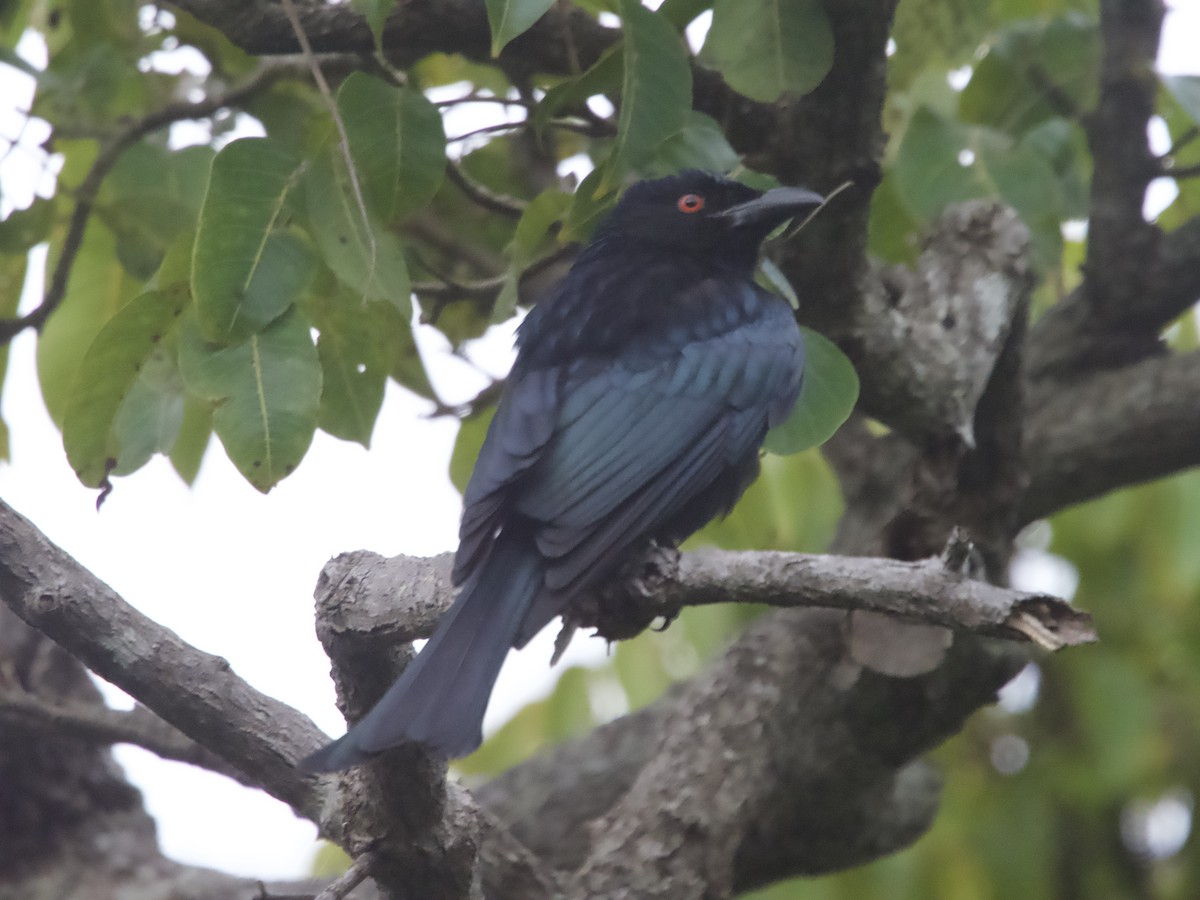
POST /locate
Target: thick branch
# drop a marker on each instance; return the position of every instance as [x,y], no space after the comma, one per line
[563,41]
[1121,244]
[196,692]
[1112,429]
[1112,319]
[201,696]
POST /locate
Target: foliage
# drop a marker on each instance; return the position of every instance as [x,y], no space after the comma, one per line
[260,288]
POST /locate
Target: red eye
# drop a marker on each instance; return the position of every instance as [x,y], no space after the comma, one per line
[690,203]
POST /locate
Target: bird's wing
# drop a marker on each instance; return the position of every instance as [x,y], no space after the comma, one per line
[634,446]
[524,422]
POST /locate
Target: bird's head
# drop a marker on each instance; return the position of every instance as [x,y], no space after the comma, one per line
[705,214]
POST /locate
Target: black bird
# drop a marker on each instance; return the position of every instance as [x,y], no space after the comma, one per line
[644,384]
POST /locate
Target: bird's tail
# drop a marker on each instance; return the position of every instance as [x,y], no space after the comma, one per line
[439,700]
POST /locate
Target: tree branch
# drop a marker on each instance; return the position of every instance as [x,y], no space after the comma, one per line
[1121,244]
[1107,321]
[200,695]
[196,692]
[1113,429]
[102,725]
[368,605]
[563,40]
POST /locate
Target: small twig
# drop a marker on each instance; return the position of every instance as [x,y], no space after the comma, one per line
[85,194]
[1181,171]
[484,196]
[487,287]
[483,98]
[1184,139]
[348,880]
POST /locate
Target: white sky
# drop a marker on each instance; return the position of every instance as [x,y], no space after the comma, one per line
[199,559]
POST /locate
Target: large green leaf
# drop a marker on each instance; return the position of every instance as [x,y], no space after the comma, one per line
[700,144]
[99,286]
[929,172]
[359,346]
[23,228]
[152,195]
[245,271]
[941,161]
[511,18]
[656,90]
[604,77]
[591,202]
[122,390]
[396,141]
[827,397]
[364,255]
[766,48]
[266,394]
[1034,70]
[195,431]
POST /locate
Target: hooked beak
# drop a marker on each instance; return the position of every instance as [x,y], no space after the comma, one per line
[773,208]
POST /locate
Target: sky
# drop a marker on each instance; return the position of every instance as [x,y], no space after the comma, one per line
[197,559]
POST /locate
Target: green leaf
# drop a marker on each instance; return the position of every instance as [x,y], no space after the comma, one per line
[531,233]
[511,18]
[543,723]
[376,13]
[656,91]
[941,162]
[471,432]
[358,347]
[102,432]
[774,279]
[766,48]
[151,196]
[240,251]
[1035,70]
[604,77]
[928,173]
[266,393]
[680,13]
[934,34]
[700,144]
[1186,91]
[590,204]
[794,504]
[396,141]
[827,397]
[363,255]
[892,232]
[23,228]
[192,441]
[148,419]
[99,286]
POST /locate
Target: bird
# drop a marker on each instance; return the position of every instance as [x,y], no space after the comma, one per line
[644,385]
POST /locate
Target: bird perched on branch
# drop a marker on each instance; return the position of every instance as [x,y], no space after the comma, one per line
[644,384]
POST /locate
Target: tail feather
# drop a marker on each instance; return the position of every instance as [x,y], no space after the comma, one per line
[440,699]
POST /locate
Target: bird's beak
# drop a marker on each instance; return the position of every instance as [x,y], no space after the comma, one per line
[773,208]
